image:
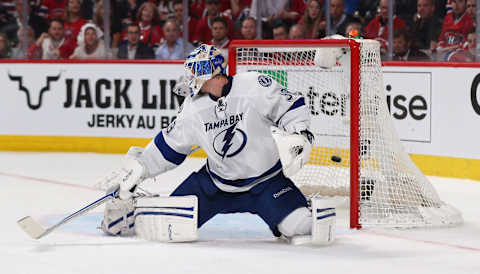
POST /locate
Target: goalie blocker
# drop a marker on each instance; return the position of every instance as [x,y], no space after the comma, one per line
[294,149]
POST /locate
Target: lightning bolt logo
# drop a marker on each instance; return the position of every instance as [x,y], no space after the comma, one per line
[227,139]
[226,146]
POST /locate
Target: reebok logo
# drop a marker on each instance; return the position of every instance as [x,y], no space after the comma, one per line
[281,192]
[127,175]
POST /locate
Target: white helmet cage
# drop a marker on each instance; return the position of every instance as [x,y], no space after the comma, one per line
[201,65]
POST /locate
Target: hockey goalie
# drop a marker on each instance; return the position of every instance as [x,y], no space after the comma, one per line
[248,164]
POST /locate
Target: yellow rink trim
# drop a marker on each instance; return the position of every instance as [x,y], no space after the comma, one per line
[429,165]
[447,166]
[75,144]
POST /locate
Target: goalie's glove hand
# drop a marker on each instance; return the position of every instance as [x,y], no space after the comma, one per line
[306,149]
[294,149]
[112,180]
[307,134]
[132,173]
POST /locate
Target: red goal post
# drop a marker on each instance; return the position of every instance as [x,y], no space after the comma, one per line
[384,186]
[354,99]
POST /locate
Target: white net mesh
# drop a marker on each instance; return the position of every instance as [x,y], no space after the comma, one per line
[392,191]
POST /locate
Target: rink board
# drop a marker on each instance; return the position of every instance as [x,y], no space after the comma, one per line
[97,107]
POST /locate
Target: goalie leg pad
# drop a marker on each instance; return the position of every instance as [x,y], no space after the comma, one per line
[299,222]
[118,218]
[167,219]
[323,222]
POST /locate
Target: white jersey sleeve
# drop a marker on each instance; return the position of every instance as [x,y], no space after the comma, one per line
[171,146]
[285,108]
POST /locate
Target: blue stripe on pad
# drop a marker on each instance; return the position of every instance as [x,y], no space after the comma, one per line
[324,209]
[168,207]
[326,216]
[130,214]
[168,152]
[165,213]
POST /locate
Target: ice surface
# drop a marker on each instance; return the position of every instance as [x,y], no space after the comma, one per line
[49,186]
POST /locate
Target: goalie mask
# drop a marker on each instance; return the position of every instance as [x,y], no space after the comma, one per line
[201,65]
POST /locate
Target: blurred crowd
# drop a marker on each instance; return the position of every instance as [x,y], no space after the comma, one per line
[423,30]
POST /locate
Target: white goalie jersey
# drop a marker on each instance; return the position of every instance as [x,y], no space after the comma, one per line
[234,130]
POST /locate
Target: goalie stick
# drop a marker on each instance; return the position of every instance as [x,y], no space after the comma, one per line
[36,231]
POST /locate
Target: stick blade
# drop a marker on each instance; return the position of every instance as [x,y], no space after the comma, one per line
[31,227]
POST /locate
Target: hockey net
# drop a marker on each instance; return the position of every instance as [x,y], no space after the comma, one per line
[357,152]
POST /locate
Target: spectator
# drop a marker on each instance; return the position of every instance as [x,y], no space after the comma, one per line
[472,10]
[88,6]
[288,11]
[240,9]
[73,20]
[238,6]
[133,48]
[36,22]
[198,8]
[248,32]
[456,25]
[339,19]
[468,54]
[115,24]
[296,32]
[219,33]
[5,50]
[203,32]
[249,29]
[440,8]
[192,22]
[164,8]
[280,31]
[427,26]
[8,21]
[402,48]
[355,25]
[448,6]
[20,51]
[54,8]
[404,9]
[52,45]
[367,10]
[173,47]
[351,6]
[7,10]
[127,11]
[312,22]
[148,19]
[378,28]
[90,44]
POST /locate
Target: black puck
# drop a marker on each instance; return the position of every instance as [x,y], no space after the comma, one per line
[336,159]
